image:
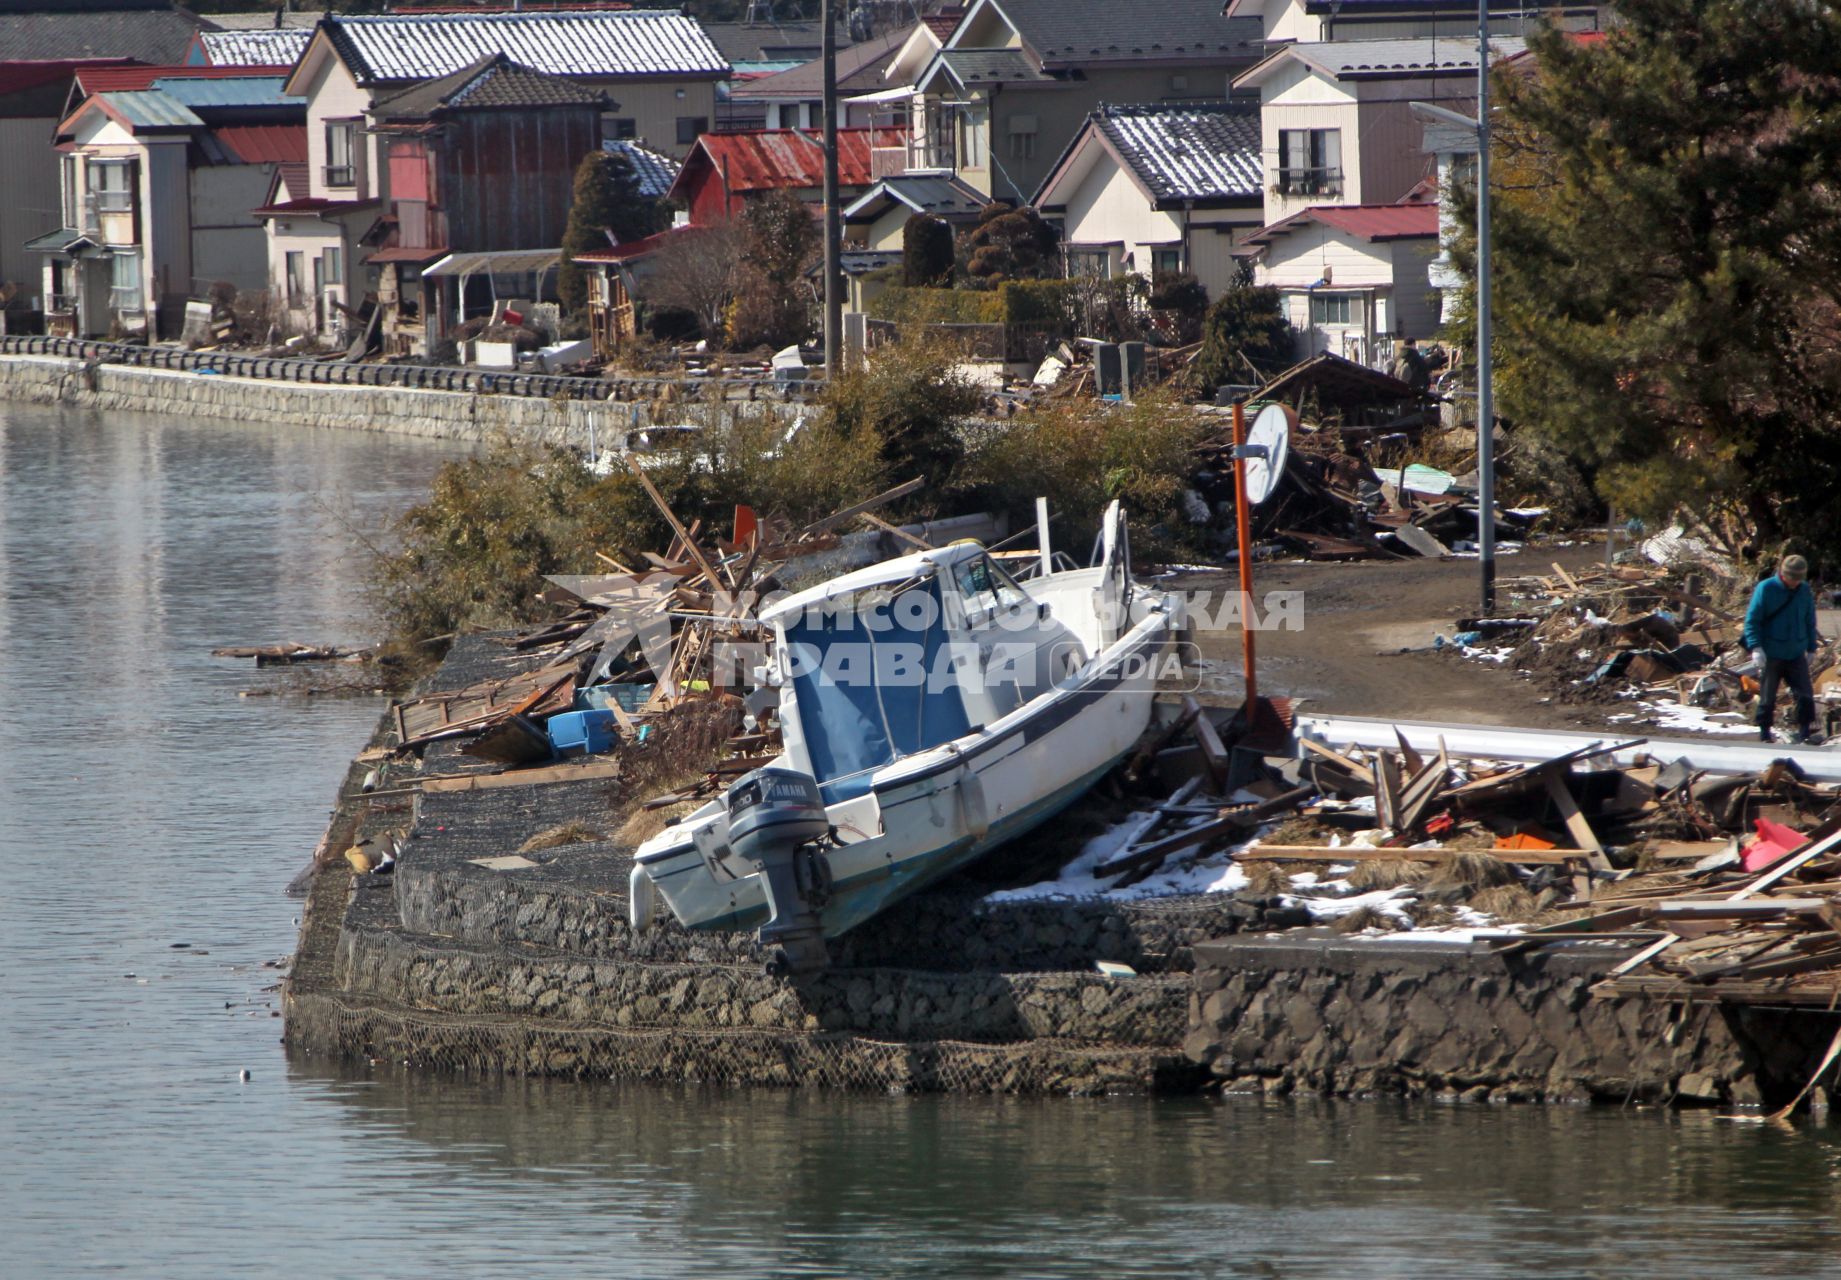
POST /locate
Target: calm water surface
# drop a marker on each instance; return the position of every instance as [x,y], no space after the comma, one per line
[142,804]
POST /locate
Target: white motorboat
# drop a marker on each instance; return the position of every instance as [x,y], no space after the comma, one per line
[931,708]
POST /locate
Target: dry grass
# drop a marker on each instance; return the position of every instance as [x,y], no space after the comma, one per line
[1364,918]
[1509,903]
[1303,831]
[1265,879]
[1473,871]
[1432,915]
[642,824]
[1387,873]
[558,836]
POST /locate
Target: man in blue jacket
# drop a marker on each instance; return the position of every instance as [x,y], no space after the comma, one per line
[1780,632]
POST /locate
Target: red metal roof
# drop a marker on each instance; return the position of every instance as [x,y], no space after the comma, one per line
[634,248]
[265,143]
[1369,221]
[118,79]
[310,204]
[18,76]
[772,159]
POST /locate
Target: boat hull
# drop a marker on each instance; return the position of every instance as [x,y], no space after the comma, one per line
[928,816]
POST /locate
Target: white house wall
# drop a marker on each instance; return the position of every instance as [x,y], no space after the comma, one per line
[1416,299]
[1299,98]
[332,94]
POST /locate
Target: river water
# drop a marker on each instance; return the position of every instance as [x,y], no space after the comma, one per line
[149,819]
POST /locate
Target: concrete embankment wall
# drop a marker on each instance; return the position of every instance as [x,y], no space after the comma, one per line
[1359,1016]
[441,415]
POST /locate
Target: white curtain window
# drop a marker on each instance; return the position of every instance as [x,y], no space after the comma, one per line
[73,217]
[1335,309]
[297,276]
[109,183]
[1310,162]
[125,282]
[341,171]
[335,266]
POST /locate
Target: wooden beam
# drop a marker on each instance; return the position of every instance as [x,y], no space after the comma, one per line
[658,500]
[1581,830]
[838,519]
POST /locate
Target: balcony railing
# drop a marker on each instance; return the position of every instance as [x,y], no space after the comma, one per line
[1309,182]
[911,157]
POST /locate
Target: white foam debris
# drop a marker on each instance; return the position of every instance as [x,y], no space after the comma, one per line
[1216,874]
[1674,715]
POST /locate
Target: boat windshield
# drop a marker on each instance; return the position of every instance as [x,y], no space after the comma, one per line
[872,675]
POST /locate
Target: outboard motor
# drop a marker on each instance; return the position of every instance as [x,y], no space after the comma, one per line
[776,820]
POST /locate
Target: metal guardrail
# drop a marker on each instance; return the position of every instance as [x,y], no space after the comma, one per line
[545,386]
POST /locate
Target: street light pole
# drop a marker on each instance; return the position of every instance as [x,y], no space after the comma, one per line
[834,234]
[1486,409]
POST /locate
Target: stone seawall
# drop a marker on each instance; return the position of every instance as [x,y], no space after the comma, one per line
[1359,1016]
[438,415]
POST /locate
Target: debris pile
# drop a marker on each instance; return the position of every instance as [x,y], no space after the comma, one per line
[1646,632]
[633,661]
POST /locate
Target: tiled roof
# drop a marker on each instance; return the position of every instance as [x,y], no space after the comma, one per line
[771,159]
[859,70]
[209,93]
[943,195]
[261,48]
[264,143]
[1384,59]
[494,82]
[1078,32]
[67,29]
[637,42]
[1188,151]
[988,66]
[753,42]
[1374,222]
[656,171]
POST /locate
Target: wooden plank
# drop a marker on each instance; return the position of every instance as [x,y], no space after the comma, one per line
[1387,791]
[658,500]
[1415,763]
[1341,761]
[1213,752]
[838,519]
[903,534]
[1367,853]
[1572,583]
[608,768]
[1581,830]
[1829,836]
[1644,956]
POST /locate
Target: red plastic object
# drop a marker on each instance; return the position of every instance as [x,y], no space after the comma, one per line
[1775,842]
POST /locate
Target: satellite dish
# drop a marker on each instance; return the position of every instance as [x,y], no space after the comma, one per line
[1268,441]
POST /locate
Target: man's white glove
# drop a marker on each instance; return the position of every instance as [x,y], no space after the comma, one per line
[1758,656]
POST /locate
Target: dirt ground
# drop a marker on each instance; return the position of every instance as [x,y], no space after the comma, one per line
[1365,646]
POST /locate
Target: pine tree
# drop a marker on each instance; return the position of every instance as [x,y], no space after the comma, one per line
[1667,239]
[607,199]
[1011,244]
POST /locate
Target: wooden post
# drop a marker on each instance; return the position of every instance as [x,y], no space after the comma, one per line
[1243,528]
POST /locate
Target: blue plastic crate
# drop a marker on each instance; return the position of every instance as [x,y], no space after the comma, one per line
[584,732]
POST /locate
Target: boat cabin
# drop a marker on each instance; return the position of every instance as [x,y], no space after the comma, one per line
[905,656]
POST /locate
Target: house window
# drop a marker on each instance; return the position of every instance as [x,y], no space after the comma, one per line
[297,276]
[333,265]
[108,182]
[971,139]
[72,218]
[340,138]
[125,282]
[1167,262]
[1464,171]
[1022,133]
[1310,162]
[1095,263]
[624,128]
[1179,84]
[690,128]
[1335,309]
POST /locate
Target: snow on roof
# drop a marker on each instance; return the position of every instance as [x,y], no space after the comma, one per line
[267,47]
[635,42]
[1188,150]
[1383,59]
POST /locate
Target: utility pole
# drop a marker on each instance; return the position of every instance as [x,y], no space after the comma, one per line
[1486,409]
[834,232]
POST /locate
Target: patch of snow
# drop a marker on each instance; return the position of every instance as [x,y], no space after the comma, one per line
[1673,715]
[1217,874]
[1487,655]
[1386,901]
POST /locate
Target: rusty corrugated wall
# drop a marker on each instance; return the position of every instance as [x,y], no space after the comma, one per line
[507,178]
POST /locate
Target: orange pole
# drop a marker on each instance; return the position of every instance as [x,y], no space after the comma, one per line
[1242,525]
